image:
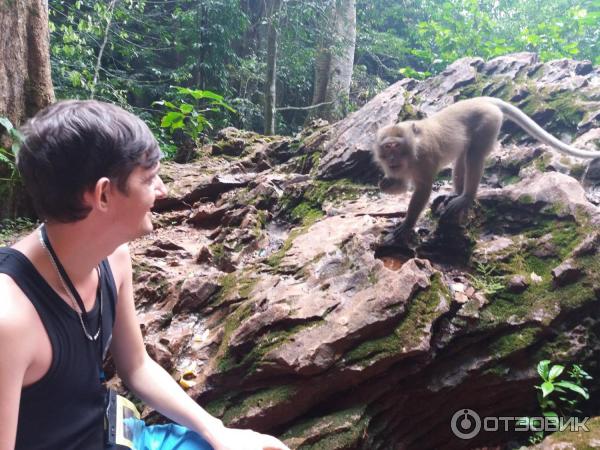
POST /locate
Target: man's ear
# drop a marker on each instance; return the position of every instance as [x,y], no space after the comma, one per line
[98,195]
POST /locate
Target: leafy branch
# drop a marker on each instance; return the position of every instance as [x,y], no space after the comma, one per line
[190,118]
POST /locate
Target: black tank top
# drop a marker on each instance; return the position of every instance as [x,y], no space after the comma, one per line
[64,409]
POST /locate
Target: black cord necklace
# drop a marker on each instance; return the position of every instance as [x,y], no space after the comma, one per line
[74,296]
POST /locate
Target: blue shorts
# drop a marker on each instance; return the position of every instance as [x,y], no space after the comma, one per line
[167,437]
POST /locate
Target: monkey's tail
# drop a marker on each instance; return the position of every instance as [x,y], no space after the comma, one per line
[525,122]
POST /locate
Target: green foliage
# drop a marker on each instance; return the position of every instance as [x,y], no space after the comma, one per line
[10,229]
[9,175]
[558,398]
[190,117]
[220,46]
[486,279]
[416,38]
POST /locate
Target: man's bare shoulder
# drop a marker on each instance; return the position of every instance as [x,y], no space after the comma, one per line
[16,311]
[120,263]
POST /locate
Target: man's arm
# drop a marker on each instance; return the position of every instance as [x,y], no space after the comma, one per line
[154,385]
[15,357]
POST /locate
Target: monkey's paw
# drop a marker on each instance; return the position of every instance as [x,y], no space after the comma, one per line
[456,209]
[393,186]
[403,233]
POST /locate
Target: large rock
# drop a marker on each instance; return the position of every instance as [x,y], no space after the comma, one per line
[267,294]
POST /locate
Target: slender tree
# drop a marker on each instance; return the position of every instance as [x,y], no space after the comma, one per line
[271,80]
[334,62]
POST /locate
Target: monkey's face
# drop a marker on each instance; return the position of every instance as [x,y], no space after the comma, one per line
[396,153]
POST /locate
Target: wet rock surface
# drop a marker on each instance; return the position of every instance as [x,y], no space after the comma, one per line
[265,291]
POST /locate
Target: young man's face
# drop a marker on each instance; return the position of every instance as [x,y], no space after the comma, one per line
[144,186]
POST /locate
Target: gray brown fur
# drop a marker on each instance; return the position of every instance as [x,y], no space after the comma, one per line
[413,152]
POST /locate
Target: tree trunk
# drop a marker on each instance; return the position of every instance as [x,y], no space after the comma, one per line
[335,61]
[25,81]
[271,81]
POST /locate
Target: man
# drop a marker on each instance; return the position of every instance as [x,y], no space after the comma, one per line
[66,290]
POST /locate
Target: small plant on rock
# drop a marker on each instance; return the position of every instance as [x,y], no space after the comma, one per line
[557,398]
[486,279]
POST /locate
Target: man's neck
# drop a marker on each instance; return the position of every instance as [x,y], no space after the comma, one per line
[79,247]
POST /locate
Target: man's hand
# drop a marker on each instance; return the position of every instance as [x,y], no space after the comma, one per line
[236,439]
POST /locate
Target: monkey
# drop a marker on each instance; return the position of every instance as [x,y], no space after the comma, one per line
[414,151]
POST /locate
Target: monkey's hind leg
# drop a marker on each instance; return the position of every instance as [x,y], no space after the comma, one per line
[473,171]
[458,174]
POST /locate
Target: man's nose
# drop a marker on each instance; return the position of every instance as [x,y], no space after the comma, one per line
[160,188]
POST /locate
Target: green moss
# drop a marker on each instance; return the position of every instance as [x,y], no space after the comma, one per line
[218,253]
[232,323]
[252,361]
[578,170]
[139,267]
[234,285]
[305,206]
[340,430]
[421,312]
[504,89]
[160,285]
[557,209]
[510,343]
[497,370]
[263,398]
[338,441]
[565,237]
[534,102]
[307,209]
[568,110]
[217,407]
[372,277]
[475,89]
[228,282]
[306,213]
[315,159]
[511,179]
[275,259]
[543,299]
[261,219]
[526,199]
[407,112]
[245,287]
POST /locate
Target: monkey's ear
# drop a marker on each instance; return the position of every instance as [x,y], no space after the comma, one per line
[416,129]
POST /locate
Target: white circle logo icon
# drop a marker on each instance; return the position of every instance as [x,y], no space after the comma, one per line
[465,424]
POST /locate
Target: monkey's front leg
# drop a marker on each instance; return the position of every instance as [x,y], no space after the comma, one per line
[415,207]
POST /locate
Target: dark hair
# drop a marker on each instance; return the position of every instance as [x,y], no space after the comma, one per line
[71,144]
